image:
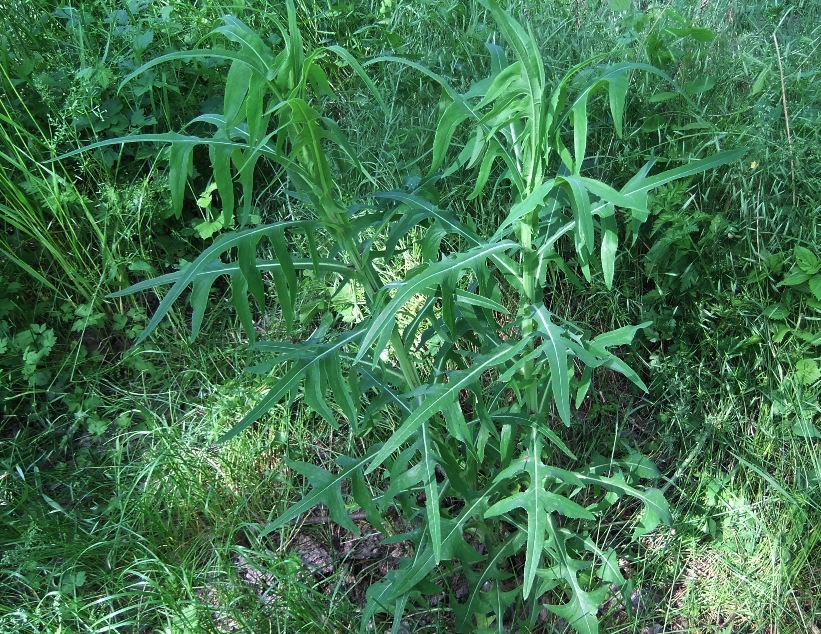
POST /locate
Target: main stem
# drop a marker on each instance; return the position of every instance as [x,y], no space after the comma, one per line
[530,283]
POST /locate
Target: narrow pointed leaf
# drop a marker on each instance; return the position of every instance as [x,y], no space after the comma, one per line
[428,462]
[579,133]
[326,489]
[444,394]
[423,283]
[690,169]
[291,380]
[180,167]
[609,247]
[556,349]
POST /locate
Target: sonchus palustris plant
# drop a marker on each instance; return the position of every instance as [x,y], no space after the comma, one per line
[476,466]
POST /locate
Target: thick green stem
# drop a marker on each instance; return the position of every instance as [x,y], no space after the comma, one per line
[528,261]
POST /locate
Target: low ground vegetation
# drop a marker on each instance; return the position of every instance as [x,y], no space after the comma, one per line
[567,263]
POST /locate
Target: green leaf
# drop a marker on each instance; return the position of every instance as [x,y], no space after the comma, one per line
[620,337]
[326,489]
[452,115]
[218,268]
[580,613]
[538,503]
[453,546]
[286,282]
[239,300]
[314,390]
[702,34]
[363,496]
[760,81]
[582,609]
[203,263]
[494,151]
[240,56]
[640,466]
[345,397]
[609,247]
[645,184]
[663,96]
[700,85]
[610,196]
[555,348]
[180,167]
[805,429]
[252,46]
[521,209]
[584,386]
[439,396]
[428,462]
[356,67]
[815,286]
[617,94]
[28,269]
[806,260]
[236,90]
[807,371]
[620,5]
[472,299]
[283,387]
[609,571]
[775,311]
[527,52]
[308,147]
[221,163]
[583,215]
[307,357]
[656,508]
[794,278]
[579,121]
[481,600]
[381,325]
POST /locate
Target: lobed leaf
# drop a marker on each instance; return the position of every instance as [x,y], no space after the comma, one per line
[309,357]
[556,348]
[437,397]
[381,325]
[326,489]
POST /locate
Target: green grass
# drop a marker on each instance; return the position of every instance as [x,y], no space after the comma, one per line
[118,512]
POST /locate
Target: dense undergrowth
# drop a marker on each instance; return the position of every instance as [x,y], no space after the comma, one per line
[124,507]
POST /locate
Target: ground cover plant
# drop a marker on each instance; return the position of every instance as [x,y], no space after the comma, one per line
[437,336]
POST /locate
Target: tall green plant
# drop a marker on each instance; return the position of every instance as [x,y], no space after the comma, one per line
[47,224]
[462,352]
